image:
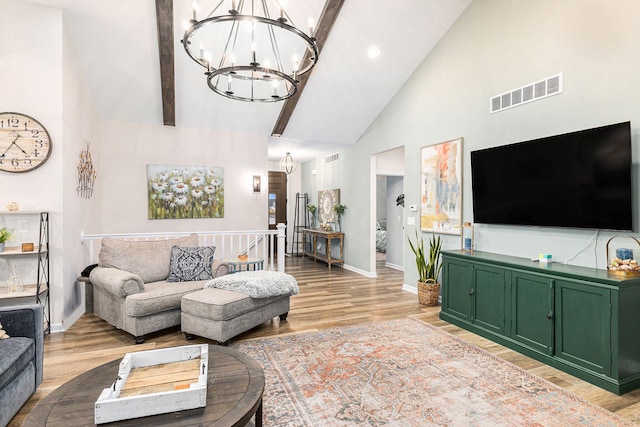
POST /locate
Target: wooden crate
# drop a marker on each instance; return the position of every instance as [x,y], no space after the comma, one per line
[156,382]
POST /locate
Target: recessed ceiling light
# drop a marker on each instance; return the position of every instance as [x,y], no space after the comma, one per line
[373,52]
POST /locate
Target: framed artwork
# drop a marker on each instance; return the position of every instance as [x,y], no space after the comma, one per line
[441,187]
[177,192]
[327,199]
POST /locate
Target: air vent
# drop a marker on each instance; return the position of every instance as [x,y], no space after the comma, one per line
[527,93]
[331,158]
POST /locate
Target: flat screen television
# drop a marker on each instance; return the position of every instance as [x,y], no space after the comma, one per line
[574,180]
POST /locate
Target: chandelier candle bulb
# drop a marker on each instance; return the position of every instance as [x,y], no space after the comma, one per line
[194,6]
[311,23]
[229,80]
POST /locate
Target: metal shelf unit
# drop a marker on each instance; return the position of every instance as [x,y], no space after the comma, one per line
[38,291]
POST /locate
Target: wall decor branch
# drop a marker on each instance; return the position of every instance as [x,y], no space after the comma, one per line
[86,174]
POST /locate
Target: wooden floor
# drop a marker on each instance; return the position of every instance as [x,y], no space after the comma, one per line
[328,298]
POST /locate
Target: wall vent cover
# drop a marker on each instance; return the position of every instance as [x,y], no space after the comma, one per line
[331,158]
[527,93]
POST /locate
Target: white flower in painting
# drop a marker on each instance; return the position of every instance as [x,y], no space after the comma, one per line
[180,188]
[197,193]
[197,181]
[167,196]
[211,172]
[186,173]
[176,180]
[163,176]
[154,196]
[209,189]
[215,182]
[204,202]
[181,200]
[172,205]
[160,187]
[175,171]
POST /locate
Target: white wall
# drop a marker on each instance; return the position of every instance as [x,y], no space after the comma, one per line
[44,81]
[495,46]
[80,127]
[127,148]
[31,72]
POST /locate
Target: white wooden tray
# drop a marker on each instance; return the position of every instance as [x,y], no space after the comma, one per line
[156,382]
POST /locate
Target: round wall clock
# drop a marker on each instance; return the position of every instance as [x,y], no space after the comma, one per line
[24,143]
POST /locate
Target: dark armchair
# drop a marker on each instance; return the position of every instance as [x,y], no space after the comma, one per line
[20,357]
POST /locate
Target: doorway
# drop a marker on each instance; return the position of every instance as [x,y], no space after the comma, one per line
[277,201]
[389,221]
[387,203]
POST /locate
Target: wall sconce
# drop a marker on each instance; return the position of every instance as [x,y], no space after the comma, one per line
[256,183]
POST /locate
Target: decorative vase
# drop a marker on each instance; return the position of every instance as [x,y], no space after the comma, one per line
[2,246]
[428,292]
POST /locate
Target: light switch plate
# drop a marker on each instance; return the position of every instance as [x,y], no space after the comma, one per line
[411,220]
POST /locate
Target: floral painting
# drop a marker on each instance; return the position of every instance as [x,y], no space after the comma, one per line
[177,192]
[441,187]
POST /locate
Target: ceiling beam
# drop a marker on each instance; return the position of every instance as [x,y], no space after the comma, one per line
[164,18]
[325,23]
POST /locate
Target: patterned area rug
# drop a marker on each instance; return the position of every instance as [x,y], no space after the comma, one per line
[405,373]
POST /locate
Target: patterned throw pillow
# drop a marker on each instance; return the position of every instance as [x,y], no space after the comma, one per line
[190,263]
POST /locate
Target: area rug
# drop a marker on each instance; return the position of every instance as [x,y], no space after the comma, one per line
[405,373]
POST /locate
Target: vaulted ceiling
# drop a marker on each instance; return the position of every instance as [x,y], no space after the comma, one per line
[117,46]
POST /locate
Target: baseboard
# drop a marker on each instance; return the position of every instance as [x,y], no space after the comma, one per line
[360,271]
[394,266]
[56,328]
[409,288]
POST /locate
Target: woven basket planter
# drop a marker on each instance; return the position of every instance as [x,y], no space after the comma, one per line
[428,292]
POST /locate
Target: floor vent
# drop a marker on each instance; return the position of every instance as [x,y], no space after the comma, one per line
[331,158]
[528,93]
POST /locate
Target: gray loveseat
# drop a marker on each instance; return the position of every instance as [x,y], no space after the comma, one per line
[20,357]
[130,287]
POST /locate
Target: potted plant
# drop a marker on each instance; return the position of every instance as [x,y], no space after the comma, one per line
[429,265]
[5,234]
[339,210]
[312,210]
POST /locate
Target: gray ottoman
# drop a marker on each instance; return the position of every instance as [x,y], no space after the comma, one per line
[220,315]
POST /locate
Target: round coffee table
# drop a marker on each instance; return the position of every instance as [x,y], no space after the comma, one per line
[234,395]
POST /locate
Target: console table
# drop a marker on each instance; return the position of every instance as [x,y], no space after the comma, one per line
[329,236]
[583,321]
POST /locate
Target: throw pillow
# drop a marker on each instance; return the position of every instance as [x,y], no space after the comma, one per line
[190,263]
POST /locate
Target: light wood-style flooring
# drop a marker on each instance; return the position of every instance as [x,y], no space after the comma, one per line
[327,299]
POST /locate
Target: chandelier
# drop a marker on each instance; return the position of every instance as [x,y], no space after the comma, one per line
[247,54]
[286,163]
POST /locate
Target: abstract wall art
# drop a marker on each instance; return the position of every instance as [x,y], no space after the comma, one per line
[441,187]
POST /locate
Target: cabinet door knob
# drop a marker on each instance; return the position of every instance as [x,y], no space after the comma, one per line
[471,292]
[549,315]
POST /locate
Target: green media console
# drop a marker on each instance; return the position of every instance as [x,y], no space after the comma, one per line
[583,321]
